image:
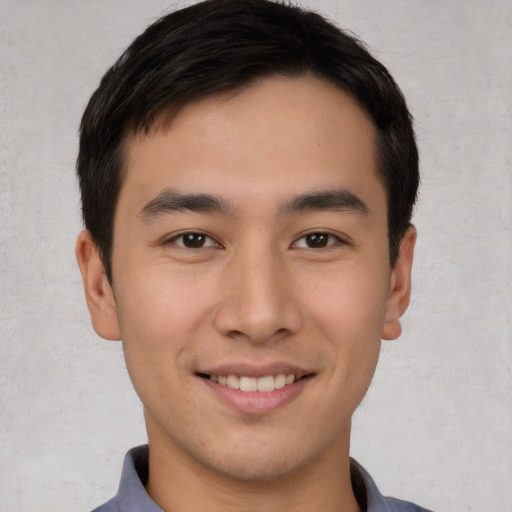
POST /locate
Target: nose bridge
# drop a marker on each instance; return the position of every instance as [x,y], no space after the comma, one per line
[259,302]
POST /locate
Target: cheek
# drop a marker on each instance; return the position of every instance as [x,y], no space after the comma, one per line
[348,311]
[159,301]
[159,319]
[159,316]
[350,300]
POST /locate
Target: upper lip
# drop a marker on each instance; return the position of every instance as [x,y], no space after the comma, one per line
[255,370]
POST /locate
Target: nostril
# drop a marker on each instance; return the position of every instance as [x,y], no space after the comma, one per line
[256,317]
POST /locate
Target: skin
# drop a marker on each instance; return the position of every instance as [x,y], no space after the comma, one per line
[258,291]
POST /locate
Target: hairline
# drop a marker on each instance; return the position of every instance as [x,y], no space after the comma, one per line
[164,117]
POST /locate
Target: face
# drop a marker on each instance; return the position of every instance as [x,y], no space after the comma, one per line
[251,251]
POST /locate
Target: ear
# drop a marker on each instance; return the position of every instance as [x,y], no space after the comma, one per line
[400,287]
[98,292]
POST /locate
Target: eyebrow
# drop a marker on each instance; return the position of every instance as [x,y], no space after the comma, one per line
[328,200]
[170,200]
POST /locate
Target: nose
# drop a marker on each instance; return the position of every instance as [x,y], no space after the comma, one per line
[258,301]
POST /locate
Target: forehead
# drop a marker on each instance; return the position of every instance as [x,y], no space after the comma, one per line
[278,135]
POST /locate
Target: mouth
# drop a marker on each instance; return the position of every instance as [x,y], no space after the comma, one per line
[256,395]
[256,389]
[248,384]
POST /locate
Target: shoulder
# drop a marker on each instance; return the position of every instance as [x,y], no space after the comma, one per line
[110,506]
[395,505]
[369,496]
[131,495]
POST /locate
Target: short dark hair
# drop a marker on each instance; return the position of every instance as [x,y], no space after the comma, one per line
[221,45]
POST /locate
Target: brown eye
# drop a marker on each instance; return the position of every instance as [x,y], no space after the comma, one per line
[317,241]
[194,240]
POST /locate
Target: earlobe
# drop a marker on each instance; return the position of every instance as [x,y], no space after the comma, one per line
[400,287]
[98,292]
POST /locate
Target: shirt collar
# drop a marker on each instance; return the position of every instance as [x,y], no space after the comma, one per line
[132,496]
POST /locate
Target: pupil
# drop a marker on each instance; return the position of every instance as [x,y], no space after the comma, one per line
[193,240]
[317,240]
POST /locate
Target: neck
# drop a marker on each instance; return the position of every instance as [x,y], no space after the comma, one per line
[180,483]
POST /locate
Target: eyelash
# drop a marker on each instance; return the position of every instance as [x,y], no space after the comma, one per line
[318,237]
[204,236]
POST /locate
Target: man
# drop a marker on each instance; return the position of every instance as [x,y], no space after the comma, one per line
[248,173]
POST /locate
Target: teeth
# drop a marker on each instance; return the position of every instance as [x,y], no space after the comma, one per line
[262,384]
[266,383]
[289,379]
[233,382]
[280,381]
[248,384]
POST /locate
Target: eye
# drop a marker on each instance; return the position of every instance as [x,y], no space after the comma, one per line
[317,241]
[193,240]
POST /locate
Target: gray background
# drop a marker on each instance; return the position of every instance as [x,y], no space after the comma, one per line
[436,426]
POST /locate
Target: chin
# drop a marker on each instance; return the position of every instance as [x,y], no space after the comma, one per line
[257,469]
[259,460]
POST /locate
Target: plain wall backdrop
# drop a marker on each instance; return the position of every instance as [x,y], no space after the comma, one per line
[436,426]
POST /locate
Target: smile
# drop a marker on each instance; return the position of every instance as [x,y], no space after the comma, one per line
[250,384]
[256,389]
[256,395]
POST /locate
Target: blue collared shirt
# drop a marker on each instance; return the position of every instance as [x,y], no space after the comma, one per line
[132,497]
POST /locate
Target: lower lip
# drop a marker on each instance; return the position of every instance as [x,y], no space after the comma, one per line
[257,402]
